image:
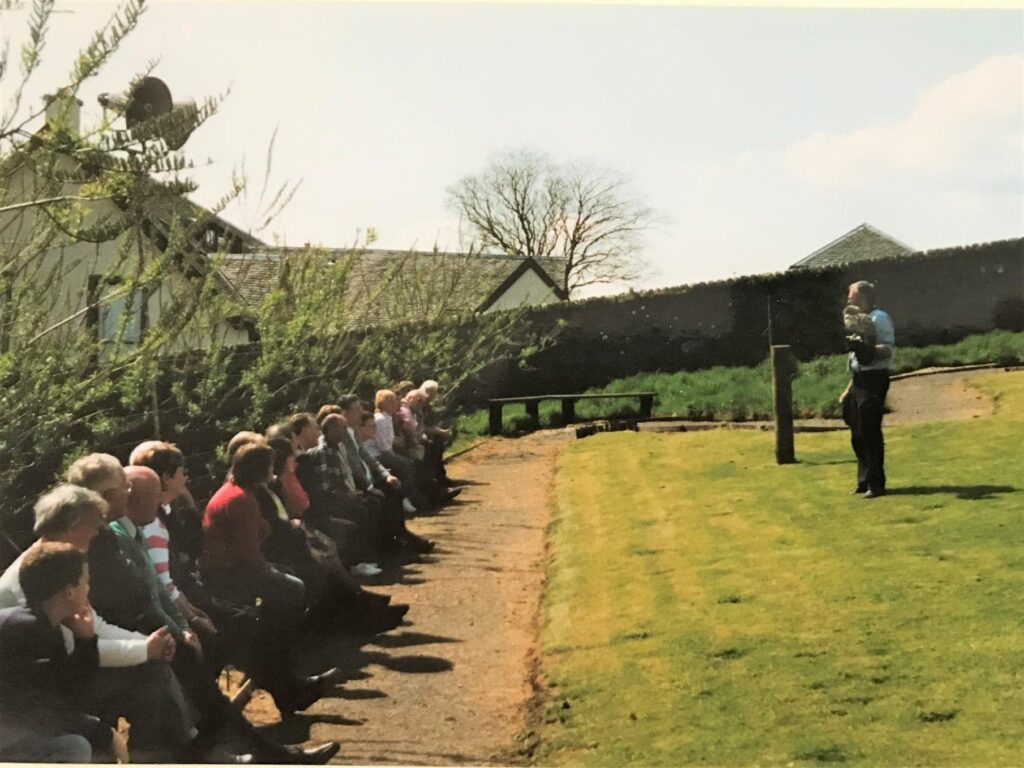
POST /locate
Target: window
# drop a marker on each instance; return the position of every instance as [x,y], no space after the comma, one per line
[111,316]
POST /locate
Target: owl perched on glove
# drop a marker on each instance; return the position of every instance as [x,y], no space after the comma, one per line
[860,334]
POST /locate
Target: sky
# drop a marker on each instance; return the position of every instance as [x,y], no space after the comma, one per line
[759,135]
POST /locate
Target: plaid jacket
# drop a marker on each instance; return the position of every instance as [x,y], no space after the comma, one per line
[325,473]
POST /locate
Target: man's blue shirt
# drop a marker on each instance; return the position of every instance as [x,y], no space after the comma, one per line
[885,333]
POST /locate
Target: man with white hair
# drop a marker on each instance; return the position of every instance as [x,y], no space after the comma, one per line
[863,400]
[437,437]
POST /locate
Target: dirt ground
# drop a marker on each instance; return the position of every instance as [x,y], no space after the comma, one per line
[937,397]
[452,686]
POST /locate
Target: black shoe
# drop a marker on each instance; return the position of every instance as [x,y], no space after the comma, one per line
[859,490]
[872,493]
[220,757]
[374,599]
[308,694]
[450,495]
[296,755]
[380,620]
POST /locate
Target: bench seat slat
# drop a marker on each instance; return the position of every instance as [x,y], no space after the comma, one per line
[539,398]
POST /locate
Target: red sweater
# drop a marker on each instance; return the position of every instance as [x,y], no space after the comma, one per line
[296,500]
[233,531]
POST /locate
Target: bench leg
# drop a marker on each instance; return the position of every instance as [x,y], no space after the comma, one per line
[533,411]
[568,411]
[494,423]
[646,406]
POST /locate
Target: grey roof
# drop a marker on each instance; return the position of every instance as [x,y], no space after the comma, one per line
[864,243]
[383,287]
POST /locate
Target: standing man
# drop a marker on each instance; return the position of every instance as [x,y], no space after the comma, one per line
[863,399]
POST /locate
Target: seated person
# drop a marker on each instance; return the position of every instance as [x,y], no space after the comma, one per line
[437,437]
[40,681]
[282,429]
[305,431]
[327,478]
[125,586]
[134,680]
[382,448]
[235,569]
[408,426]
[410,472]
[371,477]
[367,472]
[169,464]
[334,598]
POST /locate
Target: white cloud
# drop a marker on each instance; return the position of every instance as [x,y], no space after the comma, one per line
[969,126]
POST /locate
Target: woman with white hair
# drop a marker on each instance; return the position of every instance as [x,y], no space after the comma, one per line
[436,436]
[407,421]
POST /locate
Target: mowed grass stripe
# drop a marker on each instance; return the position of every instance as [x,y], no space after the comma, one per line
[750,613]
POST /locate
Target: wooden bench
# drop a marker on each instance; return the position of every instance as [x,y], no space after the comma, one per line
[533,402]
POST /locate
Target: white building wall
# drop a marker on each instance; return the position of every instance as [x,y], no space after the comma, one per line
[529,290]
[63,272]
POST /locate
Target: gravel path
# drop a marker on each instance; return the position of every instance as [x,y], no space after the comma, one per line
[452,686]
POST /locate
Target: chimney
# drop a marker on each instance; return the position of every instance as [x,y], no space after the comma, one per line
[63,111]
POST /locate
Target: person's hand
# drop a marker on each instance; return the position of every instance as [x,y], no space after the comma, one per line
[119,746]
[197,616]
[394,482]
[160,645]
[201,620]
[82,623]
[192,641]
[296,522]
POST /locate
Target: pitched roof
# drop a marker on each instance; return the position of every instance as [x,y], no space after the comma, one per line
[383,287]
[863,243]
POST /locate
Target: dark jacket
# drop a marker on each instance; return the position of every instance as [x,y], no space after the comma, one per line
[39,680]
[116,590]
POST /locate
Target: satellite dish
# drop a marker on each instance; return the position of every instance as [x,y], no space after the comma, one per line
[150,98]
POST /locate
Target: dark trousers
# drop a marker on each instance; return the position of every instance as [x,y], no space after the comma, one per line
[404,469]
[149,697]
[434,459]
[280,617]
[864,409]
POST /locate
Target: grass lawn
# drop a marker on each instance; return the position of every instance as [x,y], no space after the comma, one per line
[705,606]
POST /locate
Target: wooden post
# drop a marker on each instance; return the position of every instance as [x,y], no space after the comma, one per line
[784,368]
[568,410]
[533,411]
[494,425]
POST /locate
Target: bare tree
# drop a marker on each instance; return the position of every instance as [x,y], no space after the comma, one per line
[585,217]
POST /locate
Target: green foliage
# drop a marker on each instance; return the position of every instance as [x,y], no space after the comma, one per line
[735,612]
